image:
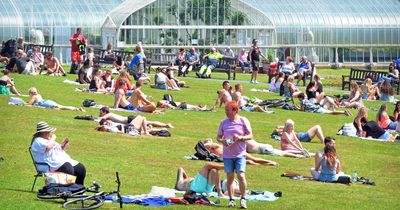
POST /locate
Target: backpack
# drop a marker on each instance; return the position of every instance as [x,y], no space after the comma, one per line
[161,133]
[273,102]
[170,99]
[9,48]
[88,103]
[56,189]
[192,198]
[203,154]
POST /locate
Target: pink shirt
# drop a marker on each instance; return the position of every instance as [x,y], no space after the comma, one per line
[240,126]
[285,144]
[242,58]
[74,47]
[385,120]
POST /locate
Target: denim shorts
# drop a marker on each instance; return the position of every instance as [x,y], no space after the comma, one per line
[247,108]
[303,137]
[235,164]
[385,136]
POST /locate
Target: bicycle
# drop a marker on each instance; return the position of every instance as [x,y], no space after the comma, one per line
[93,201]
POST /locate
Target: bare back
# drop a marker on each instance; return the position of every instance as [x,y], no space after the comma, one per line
[51,63]
[252,146]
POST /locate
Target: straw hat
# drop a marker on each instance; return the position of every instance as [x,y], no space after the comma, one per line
[44,127]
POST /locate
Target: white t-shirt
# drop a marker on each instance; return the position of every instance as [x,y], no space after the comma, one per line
[288,68]
[55,157]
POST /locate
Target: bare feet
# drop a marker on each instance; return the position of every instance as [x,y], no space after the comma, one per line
[81,109]
[169,125]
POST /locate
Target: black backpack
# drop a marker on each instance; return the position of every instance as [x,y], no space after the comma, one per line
[161,133]
[9,48]
[273,103]
[88,103]
[203,154]
[56,189]
[170,99]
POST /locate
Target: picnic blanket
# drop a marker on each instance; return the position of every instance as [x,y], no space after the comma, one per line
[254,195]
[74,82]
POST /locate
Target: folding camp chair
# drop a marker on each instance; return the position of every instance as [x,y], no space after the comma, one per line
[38,172]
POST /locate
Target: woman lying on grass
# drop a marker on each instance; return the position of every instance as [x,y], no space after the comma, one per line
[37,100]
[183,106]
[137,126]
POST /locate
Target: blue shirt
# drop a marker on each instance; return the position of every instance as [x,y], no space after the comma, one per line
[398,62]
[137,62]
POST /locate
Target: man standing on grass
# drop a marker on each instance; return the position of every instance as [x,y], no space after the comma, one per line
[77,41]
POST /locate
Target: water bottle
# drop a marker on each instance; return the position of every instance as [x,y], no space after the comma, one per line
[229,141]
[354,177]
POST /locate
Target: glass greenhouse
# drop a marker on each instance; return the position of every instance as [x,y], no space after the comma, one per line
[329,32]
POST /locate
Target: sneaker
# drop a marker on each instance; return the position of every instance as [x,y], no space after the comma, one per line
[232,203]
[243,203]
[251,82]
[256,82]
[198,74]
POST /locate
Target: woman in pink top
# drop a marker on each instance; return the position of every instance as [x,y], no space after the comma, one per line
[290,142]
[383,119]
[242,59]
[233,132]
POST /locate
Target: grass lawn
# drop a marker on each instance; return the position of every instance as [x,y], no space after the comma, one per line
[147,161]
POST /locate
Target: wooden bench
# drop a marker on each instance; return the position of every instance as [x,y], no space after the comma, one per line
[160,59]
[100,56]
[226,65]
[42,48]
[360,75]
[307,75]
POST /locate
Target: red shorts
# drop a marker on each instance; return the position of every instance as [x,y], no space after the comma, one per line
[76,56]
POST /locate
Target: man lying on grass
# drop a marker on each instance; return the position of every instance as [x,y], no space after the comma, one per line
[107,115]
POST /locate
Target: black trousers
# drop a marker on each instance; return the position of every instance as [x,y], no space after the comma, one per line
[79,171]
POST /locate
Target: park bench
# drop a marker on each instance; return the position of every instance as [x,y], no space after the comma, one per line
[160,59]
[42,48]
[360,75]
[101,58]
[226,65]
[307,74]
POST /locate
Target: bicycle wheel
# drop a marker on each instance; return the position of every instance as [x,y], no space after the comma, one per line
[91,202]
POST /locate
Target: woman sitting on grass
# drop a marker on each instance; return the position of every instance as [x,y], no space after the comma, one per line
[290,142]
[383,120]
[162,81]
[37,100]
[355,99]
[97,84]
[362,112]
[386,91]
[369,91]
[7,84]
[396,112]
[328,167]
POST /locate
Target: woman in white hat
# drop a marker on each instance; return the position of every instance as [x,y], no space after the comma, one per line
[46,150]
